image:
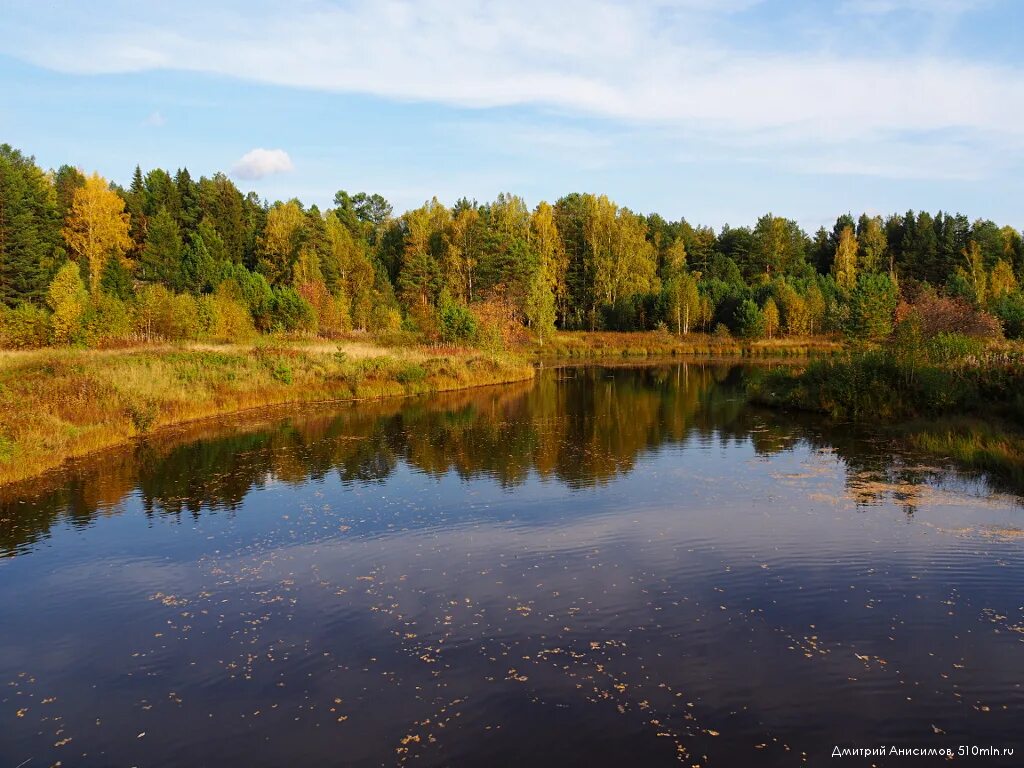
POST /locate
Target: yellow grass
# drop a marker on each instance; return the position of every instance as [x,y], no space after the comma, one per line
[641,344]
[59,404]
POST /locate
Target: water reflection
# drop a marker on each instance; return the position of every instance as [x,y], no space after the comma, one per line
[581,426]
[607,566]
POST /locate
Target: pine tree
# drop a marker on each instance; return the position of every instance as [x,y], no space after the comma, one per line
[30,242]
[160,261]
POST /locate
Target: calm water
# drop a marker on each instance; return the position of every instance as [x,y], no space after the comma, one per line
[609,566]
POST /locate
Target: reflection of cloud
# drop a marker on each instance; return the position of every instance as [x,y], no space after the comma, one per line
[260,162]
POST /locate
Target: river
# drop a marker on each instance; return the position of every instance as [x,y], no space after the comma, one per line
[611,565]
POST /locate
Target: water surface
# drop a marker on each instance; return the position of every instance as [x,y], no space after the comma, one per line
[608,566]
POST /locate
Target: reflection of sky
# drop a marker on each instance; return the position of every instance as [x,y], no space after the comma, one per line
[754,584]
[723,561]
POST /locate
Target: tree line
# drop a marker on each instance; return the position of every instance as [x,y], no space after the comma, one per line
[84,261]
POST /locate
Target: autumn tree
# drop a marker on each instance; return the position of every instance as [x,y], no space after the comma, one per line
[873,244]
[683,301]
[973,275]
[282,239]
[539,307]
[1001,281]
[68,299]
[550,250]
[623,261]
[770,315]
[97,227]
[463,245]
[844,267]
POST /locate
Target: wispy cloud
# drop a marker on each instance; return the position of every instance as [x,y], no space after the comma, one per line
[258,163]
[155,120]
[882,7]
[662,65]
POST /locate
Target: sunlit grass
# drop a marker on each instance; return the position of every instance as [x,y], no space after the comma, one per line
[975,444]
[58,404]
[653,343]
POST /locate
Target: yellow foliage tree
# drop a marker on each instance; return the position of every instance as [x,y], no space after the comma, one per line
[873,245]
[462,252]
[844,268]
[624,261]
[554,261]
[770,313]
[1002,280]
[97,227]
[67,298]
[281,241]
[975,275]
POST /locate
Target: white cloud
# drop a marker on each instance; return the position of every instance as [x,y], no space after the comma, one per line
[666,64]
[155,120]
[259,162]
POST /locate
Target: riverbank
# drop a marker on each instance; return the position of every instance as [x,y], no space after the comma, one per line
[952,398]
[600,344]
[57,404]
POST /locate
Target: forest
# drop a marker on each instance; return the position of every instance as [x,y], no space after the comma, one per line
[86,262]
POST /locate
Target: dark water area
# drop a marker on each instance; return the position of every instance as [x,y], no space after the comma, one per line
[607,566]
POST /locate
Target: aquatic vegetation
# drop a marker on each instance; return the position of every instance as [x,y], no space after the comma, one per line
[948,374]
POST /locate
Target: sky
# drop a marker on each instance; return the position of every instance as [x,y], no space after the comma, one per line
[713,110]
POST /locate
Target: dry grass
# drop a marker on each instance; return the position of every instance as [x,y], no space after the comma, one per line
[642,344]
[58,404]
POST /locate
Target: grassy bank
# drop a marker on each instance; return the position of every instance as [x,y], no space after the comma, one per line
[991,447]
[59,404]
[950,397]
[598,344]
[948,377]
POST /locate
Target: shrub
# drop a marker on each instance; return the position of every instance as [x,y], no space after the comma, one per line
[107,320]
[164,315]
[411,374]
[499,325]
[67,298]
[872,306]
[1009,310]
[945,314]
[27,326]
[226,319]
[291,312]
[385,319]
[332,314]
[253,290]
[951,348]
[281,372]
[456,323]
[748,320]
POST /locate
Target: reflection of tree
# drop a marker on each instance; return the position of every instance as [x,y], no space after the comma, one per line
[581,426]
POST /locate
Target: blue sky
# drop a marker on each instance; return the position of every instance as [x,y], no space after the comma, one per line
[716,110]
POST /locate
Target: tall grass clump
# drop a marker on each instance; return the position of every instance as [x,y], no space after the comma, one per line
[949,373]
